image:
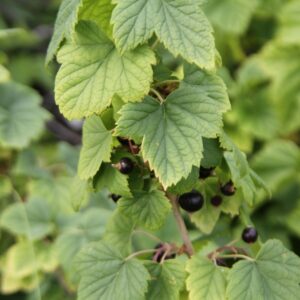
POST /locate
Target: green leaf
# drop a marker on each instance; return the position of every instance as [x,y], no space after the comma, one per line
[97,146]
[288,31]
[105,274]
[232,16]
[134,23]
[89,227]
[206,218]
[119,231]
[148,209]
[93,71]
[4,74]
[21,117]
[283,66]
[10,285]
[241,174]
[15,38]
[231,205]
[292,220]
[98,12]
[174,129]
[6,187]
[27,165]
[185,185]
[46,257]
[21,260]
[180,25]
[209,85]
[25,259]
[278,163]
[167,280]
[212,154]
[163,134]
[274,274]
[79,193]
[206,281]
[112,179]
[56,192]
[32,219]
[256,114]
[64,26]
[244,181]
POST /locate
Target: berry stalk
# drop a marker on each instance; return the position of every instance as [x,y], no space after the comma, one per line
[181,225]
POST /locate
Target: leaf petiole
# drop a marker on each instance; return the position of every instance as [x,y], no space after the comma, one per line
[138,253]
[158,95]
[235,256]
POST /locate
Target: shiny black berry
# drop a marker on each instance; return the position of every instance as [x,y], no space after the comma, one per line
[160,252]
[250,235]
[205,172]
[191,202]
[126,165]
[115,197]
[216,200]
[228,189]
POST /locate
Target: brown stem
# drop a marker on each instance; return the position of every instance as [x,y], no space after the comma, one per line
[220,250]
[181,225]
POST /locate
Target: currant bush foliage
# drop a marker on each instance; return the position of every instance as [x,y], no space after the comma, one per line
[21,118]
[145,77]
[113,49]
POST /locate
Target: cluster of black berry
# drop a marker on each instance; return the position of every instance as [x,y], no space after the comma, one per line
[193,201]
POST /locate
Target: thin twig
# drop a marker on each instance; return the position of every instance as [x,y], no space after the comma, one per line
[232,242]
[181,225]
[235,256]
[158,95]
[167,252]
[140,253]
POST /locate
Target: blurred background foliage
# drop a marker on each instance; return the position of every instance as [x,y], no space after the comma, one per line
[41,229]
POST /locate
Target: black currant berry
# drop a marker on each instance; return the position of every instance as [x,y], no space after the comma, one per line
[205,172]
[250,235]
[160,252]
[126,165]
[115,197]
[191,202]
[123,141]
[228,189]
[221,262]
[216,200]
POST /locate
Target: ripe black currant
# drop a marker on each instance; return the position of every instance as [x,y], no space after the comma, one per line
[123,141]
[126,165]
[160,252]
[191,201]
[228,189]
[205,172]
[250,235]
[115,197]
[221,262]
[216,200]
